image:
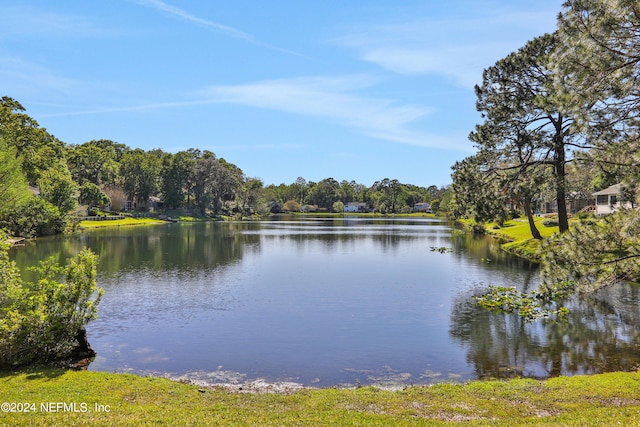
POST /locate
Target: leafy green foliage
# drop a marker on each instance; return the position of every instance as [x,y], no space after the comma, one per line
[37,149]
[40,321]
[92,195]
[94,161]
[57,187]
[35,217]
[214,184]
[595,255]
[141,174]
[477,194]
[591,256]
[13,183]
[597,69]
[526,130]
[596,77]
[177,177]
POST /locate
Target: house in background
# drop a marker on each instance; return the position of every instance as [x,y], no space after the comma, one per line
[422,207]
[355,207]
[575,202]
[609,200]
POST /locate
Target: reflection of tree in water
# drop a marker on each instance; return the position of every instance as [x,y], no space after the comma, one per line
[182,247]
[336,233]
[601,335]
[194,248]
[479,246]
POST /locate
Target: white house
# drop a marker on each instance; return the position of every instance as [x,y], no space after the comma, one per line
[609,200]
[422,207]
[355,207]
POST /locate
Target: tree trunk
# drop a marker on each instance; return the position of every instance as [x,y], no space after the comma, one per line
[83,348]
[563,219]
[532,225]
[559,172]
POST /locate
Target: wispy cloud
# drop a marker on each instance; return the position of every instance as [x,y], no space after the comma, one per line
[20,21]
[28,78]
[332,99]
[254,147]
[139,108]
[336,99]
[457,49]
[221,28]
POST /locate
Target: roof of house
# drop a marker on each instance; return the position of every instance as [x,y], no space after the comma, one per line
[614,189]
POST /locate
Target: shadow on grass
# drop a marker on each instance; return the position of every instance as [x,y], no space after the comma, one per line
[36,372]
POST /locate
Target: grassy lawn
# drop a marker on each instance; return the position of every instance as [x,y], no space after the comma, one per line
[97,399]
[518,235]
[120,222]
[185,218]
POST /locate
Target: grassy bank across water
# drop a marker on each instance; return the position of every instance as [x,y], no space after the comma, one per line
[121,222]
[188,219]
[56,397]
[517,236]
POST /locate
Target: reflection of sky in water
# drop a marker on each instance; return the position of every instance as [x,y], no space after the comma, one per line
[330,302]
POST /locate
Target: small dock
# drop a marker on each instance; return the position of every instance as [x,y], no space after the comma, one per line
[16,241]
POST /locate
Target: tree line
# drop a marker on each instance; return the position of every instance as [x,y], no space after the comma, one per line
[43,181]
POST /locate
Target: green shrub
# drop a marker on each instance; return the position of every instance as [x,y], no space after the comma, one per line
[41,321]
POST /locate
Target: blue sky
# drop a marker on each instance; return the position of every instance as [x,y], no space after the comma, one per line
[357,90]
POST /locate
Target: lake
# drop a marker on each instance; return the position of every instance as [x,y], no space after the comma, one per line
[330,302]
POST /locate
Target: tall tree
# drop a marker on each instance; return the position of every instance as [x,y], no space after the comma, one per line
[521,120]
[140,173]
[248,192]
[597,69]
[92,163]
[177,175]
[324,193]
[597,74]
[214,184]
[37,149]
[300,189]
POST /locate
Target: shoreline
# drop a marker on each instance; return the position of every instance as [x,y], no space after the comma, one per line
[516,236]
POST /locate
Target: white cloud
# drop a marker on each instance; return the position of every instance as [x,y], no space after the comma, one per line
[332,99]
[216,26]
[457,49]
[21,21]
[335,99]
[129,108]
[175,11]
[28,78]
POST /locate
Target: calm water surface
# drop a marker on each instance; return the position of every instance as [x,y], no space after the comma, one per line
[328,302]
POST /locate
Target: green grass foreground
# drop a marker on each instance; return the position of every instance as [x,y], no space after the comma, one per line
[50,397]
